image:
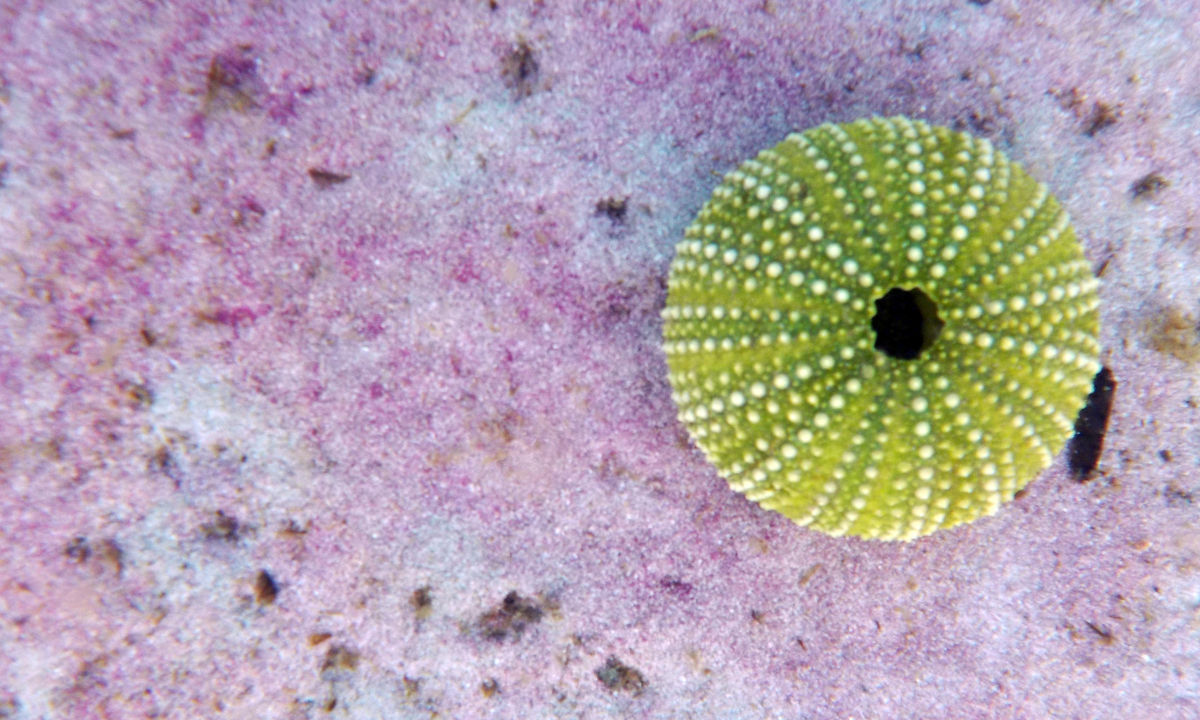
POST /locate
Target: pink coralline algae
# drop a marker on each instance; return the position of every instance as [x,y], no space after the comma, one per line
[333,379]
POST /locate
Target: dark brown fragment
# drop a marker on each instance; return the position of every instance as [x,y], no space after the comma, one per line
[326,178]
[510,618]
[265,588]
[1083,451]
[422,602]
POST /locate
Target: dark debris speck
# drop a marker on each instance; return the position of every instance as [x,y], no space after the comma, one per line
[1148,186]
[1103,115]
[510,618]
[1105,635]
[614,208]
[106,554]
[139,395]
[222,527]
[519,68]
[163,461]
[982,123]
[1177,496]
[326,178]
[619,677]
[676,587]
[78,550]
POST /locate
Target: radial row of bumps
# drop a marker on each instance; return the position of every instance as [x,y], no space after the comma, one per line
[769,342]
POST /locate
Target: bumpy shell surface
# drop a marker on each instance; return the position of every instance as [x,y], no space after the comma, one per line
[772,354]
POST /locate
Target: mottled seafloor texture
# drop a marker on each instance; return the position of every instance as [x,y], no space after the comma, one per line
[331,381]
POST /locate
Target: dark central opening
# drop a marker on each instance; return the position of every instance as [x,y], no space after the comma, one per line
[906,323]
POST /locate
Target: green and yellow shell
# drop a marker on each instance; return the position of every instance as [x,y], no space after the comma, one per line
[880,328]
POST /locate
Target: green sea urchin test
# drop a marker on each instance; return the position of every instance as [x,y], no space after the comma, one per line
[880,328]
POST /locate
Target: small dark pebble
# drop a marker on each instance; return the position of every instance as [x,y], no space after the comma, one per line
[265,588]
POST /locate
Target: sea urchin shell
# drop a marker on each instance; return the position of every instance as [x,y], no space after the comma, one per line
[880,328]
